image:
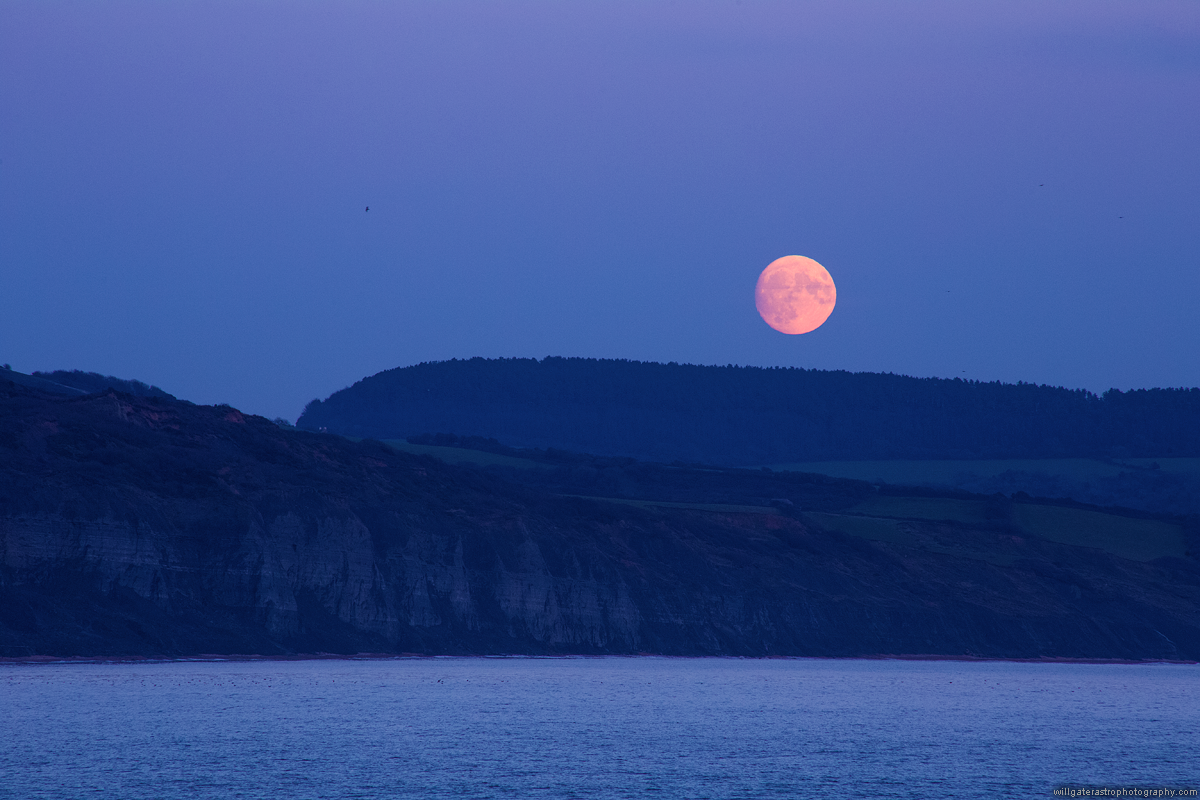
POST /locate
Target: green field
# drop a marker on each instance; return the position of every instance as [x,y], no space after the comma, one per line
[1127,537]
[1136,539]
[458,455]
[719,507]
[939,509]
[881,518]
[950,472]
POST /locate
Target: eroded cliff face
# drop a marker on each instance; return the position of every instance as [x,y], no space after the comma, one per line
[294,584]
[313,582]
[147,526]
[223,531]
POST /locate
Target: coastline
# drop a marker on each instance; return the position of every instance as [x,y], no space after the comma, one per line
[244,658]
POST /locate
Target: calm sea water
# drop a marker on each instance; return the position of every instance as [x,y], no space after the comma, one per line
[593,727]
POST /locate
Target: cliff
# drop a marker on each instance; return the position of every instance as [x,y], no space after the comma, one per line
[143,525]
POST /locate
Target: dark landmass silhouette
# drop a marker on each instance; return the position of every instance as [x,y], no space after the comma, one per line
[741,416]
[90,382]
[77,382]
[141,525]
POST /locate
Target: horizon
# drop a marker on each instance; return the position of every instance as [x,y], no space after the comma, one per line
[979,381]
[1001,194]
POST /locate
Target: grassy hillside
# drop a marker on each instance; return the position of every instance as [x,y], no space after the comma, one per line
[950,471]
[940,524]
[1127,537]
[459,455]
[953,471]
[907,521]
[1160,485]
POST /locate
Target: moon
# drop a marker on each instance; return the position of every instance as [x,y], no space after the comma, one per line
[795,294]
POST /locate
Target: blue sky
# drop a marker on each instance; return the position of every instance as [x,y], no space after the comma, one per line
[1001,191]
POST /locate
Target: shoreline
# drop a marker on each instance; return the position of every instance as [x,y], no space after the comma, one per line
[207,658]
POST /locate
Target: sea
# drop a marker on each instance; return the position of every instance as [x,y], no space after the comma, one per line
[640,727]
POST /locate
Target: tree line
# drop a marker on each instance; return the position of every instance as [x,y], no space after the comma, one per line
[734,415]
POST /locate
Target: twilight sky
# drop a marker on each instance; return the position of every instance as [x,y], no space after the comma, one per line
[1001,190]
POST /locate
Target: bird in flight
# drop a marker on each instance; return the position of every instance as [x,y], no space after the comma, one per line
[368,208]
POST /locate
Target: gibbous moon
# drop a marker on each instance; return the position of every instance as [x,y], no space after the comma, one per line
[795,294]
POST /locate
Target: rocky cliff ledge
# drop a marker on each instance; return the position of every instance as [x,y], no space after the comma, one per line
[146,526]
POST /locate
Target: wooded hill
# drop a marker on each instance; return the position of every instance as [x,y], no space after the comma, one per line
[750,415]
